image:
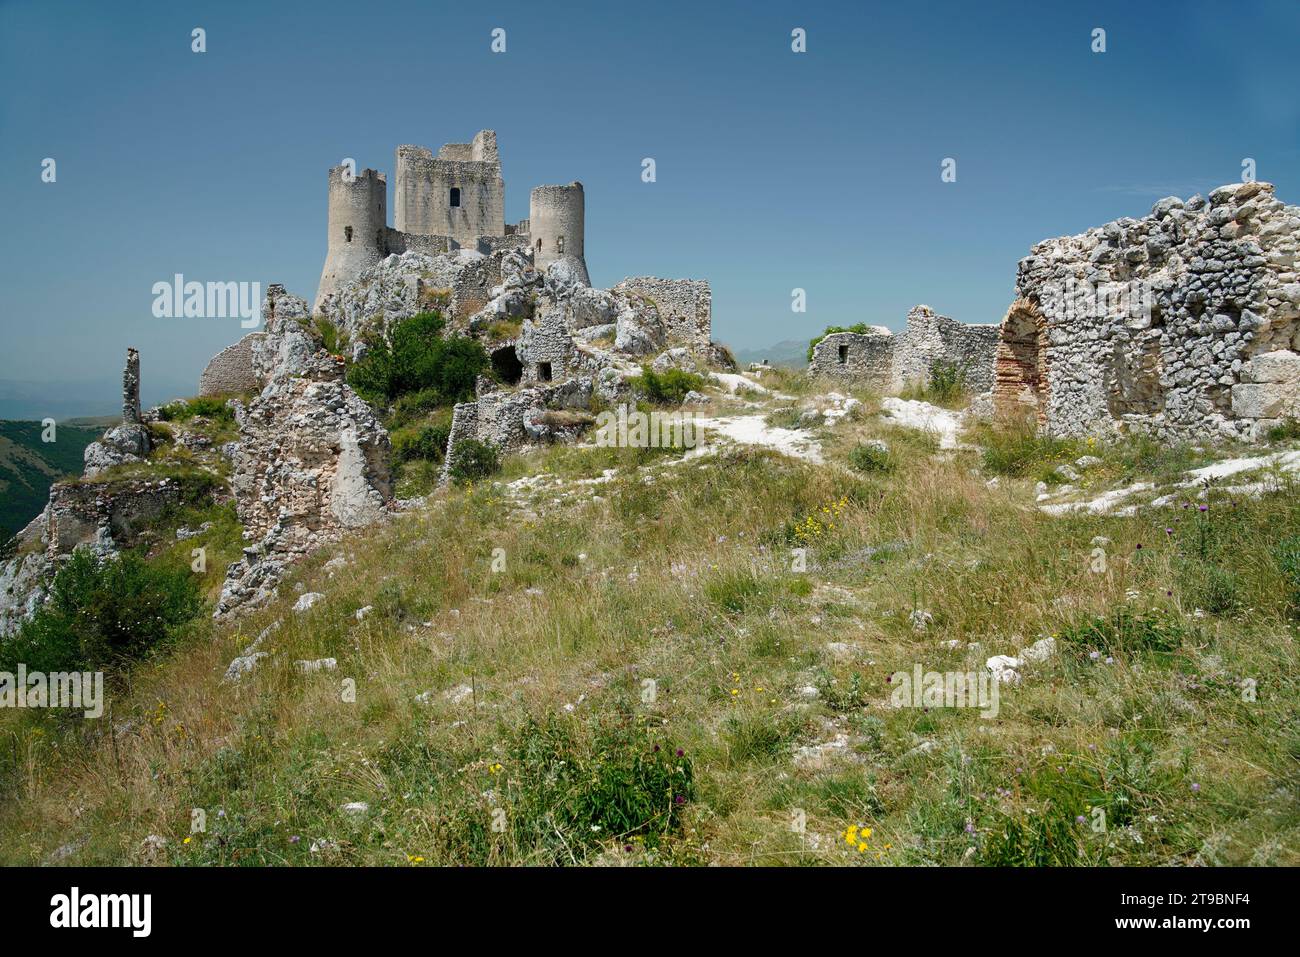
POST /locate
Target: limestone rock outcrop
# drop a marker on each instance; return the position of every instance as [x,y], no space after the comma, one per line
[312,463]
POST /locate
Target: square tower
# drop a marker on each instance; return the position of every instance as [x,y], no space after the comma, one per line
[458,193]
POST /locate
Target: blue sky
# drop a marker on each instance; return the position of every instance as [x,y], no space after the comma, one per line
[776,170]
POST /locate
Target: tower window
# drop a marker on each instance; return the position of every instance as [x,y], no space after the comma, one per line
[559,244]
[544,371]
[347,234]
[455,196]
[539,245]
[844,354]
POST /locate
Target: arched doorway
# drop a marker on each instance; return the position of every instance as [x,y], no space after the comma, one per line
[507,366]
[1020,383]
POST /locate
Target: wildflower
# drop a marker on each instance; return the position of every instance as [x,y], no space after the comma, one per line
[187,840]
[680,752]
[294,839]
[1079,819]
[1195,788]
[1204,508]
[970,827]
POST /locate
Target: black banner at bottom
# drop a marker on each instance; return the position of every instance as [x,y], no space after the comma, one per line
[336,905]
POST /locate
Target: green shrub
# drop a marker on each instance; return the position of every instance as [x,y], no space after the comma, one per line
[413,358]
[104,615]
[621,786]
[867,457]
[333,340]
[421,442]
[1019,449]
[947,381]
[1285,431]
[212,407]
[1126,631]
[472,460]
[668,387]
[1287,555]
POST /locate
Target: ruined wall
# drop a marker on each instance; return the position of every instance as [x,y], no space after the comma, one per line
[884,361]
[854,357]
[930,338]
[231,370]
[685,306]
[1182,323]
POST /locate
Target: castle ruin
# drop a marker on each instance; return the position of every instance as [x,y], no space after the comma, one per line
[445,202]
[881,360]
[1184,323]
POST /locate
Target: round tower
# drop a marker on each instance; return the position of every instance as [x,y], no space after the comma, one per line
[556,221]
[358,218]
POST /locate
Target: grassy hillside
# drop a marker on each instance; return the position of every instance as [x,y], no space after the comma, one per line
[29,466]
[619,657]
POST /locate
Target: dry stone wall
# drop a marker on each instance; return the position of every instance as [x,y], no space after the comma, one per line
[881,360]
[1183,323]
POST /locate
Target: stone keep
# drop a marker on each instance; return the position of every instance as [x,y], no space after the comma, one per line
[459,193]
[1184,323]
[444,202]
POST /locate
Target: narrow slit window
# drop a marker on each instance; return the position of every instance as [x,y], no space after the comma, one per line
[559,244]
[347,234]
[539,245]
[455,197]
[844,354]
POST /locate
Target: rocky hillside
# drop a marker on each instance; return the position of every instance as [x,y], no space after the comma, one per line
[28,466]
[615,656]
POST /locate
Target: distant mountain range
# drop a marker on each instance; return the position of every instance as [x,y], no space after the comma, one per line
[791,352]
[29,466]
[65,400]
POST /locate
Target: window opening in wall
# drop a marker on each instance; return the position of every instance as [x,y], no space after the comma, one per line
[347,234]
[455,196]
[544,372]
[539,245]
[844,354]
[559,244]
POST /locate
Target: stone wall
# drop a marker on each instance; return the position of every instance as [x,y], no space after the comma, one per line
[881,360]
[1183,323]
[685,306]
[930,338]
[231,370]
[854,357]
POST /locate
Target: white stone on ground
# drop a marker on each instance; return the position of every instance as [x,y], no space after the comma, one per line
[913,414]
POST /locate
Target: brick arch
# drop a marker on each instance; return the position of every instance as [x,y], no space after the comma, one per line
[1020,372]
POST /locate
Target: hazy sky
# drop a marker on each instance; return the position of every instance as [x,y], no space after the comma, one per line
[775,170]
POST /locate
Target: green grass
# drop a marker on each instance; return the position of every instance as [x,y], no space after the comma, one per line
[528,652]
